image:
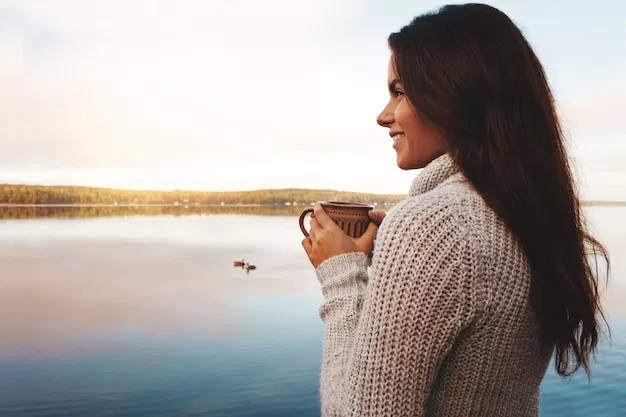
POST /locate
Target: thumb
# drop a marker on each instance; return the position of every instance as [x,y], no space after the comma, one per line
[377,216]
[366,240]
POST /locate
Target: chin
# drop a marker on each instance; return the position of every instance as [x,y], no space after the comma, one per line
[407,164]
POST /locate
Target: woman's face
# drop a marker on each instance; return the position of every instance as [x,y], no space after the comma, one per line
[415,142]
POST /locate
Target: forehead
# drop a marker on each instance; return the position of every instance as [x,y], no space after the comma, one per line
[391,69]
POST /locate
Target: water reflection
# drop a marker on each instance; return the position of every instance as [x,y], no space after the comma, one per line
[172,279]
[145,315]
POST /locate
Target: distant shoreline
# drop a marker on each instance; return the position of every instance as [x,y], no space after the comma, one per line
[56,196]
[37,196]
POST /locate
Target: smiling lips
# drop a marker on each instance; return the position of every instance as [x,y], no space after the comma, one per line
[396,136]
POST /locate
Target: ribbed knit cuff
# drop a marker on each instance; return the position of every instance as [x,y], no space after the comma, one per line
[341,274]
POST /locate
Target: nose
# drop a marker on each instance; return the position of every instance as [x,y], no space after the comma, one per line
[386,117]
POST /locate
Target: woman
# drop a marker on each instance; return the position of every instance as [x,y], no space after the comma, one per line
[480,275]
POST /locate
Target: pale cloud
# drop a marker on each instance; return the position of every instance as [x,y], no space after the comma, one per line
[601,114]
[125,83]
[147,96]
[595,129]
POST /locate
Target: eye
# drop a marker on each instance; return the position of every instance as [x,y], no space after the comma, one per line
[397,93]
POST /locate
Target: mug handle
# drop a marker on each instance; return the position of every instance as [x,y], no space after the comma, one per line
[301,220]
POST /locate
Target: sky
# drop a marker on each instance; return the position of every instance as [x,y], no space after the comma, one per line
[246,94]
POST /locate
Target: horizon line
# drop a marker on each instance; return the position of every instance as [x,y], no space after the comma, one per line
[585,202]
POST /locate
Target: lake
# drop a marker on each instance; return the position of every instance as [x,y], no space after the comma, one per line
[123,314]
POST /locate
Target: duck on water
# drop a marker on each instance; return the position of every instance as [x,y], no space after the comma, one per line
[244,265]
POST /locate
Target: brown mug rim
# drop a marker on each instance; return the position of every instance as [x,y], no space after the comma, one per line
[347,204]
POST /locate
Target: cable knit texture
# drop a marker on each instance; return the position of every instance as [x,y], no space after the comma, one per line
[440,323]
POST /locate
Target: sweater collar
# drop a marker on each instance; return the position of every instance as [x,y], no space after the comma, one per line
[433,174]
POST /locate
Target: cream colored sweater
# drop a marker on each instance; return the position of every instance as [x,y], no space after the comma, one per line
[440,323]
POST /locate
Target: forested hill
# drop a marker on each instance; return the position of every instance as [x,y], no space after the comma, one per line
[35,194]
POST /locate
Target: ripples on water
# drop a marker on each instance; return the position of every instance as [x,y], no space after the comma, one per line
[145,316]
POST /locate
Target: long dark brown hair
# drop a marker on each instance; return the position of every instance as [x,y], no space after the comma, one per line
[469,71]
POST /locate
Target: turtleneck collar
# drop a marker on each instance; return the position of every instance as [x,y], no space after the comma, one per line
[433,174]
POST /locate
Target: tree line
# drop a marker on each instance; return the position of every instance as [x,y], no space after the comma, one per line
[74,195]
[64,212]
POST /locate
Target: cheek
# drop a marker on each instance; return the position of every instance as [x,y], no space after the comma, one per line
[408,120]
[404,116]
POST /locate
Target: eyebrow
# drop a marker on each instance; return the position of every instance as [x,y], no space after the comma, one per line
[392,84]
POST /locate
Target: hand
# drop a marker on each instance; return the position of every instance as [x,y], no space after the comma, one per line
[326,239]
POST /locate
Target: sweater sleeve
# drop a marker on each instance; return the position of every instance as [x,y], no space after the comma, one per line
[385,341]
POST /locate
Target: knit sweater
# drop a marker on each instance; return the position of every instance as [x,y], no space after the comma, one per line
[439,323]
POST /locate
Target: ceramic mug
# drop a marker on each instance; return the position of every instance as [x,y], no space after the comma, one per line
[353,218]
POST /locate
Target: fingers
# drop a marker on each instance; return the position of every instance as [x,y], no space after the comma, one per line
[377,216]
[366,240]
[323,219]
[307,244]
[315,228]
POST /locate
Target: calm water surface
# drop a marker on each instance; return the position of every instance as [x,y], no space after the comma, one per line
[145,316]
